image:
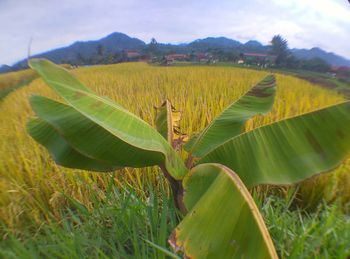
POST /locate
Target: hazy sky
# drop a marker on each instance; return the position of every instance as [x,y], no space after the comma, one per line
[57,23]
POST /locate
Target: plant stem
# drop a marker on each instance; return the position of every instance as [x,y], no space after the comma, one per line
[189,162]
[177,189]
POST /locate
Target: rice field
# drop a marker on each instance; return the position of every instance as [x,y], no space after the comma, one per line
[33,189]
[14,80]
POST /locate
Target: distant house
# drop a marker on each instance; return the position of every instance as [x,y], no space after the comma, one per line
[203,57]
[176,57]
[131,55]
[340,69]
[259,59]
[341,72]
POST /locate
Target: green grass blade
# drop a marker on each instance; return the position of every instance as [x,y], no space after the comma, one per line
[162,249]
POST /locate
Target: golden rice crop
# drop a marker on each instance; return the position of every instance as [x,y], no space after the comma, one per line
[13,78]
[31,185]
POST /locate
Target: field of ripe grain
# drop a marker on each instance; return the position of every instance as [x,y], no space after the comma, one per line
[11,79]
[33,188]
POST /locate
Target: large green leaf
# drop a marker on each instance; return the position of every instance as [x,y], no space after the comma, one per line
[223,220]
[290,150]
[89,138]
[258,100]
[163,120]
[168,124]
[125,126]
[61,151]
[168,121]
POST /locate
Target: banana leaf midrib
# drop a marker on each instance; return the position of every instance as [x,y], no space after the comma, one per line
[114,106]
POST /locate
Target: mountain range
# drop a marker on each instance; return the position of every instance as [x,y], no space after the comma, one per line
[117,42]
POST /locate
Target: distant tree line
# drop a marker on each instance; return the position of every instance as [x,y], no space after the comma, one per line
[99,57]
[156,52]
[285,59]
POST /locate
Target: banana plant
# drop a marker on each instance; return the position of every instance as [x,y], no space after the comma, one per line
[220,219]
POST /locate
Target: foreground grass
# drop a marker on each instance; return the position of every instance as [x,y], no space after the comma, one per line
[129,225]
[324,233]
[122,225]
